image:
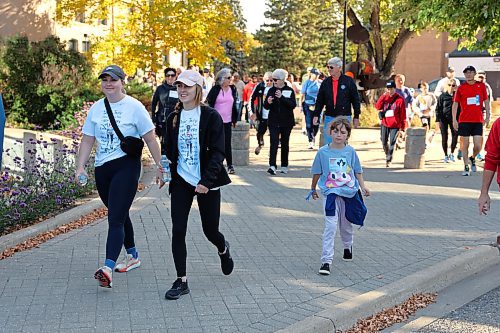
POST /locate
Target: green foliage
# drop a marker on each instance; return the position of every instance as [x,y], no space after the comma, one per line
[44,83]
[463,20]
[140,91]
[302,33]
[235,52]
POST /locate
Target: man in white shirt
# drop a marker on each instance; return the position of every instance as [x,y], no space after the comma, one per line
[450,74]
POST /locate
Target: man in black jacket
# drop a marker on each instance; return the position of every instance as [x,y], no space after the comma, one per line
[339,95]
[259,113]
[164,100]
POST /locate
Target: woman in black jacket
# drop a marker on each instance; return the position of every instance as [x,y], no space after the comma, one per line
[445,121]
[223,97]
[195,149]
[280,103]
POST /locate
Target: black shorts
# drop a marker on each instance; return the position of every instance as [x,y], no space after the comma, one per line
[470,129]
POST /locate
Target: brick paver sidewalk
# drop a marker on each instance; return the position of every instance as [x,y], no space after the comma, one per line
[416,218]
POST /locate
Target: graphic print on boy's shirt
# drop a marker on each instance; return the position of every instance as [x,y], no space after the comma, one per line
[339,173]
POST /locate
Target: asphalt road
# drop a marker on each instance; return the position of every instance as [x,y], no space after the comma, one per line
[470,306]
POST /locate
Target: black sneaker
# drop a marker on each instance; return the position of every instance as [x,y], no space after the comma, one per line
[230,170]
[257,150]
[347,255]
[178,288]
[226,262]
[324,269]
[272,170]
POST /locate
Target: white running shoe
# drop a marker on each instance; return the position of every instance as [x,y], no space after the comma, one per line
[128,263]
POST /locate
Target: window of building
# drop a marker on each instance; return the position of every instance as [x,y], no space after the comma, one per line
[85,46]
[73,45]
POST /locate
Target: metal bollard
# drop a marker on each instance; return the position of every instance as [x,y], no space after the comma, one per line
[415,148]
[240,142]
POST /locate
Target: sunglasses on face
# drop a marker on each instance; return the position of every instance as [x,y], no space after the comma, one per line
[228,78]
[452,85]
[330,67]
[275,80]
[170,75]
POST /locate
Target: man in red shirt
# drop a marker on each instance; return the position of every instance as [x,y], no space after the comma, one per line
[247,93]
[472,97]
[491,165]
[392,113]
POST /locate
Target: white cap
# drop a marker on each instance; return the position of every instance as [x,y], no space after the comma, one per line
[190,78]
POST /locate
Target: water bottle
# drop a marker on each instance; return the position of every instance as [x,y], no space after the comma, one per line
[82,179]
[166,177]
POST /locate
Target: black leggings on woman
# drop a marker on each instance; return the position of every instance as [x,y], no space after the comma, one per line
[116,183]
[209,206]
[444,125]
[227,143]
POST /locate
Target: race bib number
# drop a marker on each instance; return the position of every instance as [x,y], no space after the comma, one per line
[389,113]
[173,94]
[473,100]
[286,93]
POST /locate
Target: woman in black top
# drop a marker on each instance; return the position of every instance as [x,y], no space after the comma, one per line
[195,149]
[444,118]
[280,103]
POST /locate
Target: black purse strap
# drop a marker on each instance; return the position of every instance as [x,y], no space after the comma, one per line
[112,119]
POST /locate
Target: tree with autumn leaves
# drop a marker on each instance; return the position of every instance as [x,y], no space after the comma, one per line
[143,31]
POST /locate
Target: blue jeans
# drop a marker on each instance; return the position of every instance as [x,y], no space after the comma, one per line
[326,132]
[312,130]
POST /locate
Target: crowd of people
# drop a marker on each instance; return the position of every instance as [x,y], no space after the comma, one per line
[193,113]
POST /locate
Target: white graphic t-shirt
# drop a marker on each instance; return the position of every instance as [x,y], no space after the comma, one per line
[188,165]
[132,119]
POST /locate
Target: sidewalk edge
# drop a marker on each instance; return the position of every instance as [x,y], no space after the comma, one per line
[431,279]
[68,216]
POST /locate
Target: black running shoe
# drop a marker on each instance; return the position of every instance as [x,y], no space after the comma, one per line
[324,269]
[226,262]
[347,255]
[178,288]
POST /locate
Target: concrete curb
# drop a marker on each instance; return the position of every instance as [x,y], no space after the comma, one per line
[68,216]
[432,279]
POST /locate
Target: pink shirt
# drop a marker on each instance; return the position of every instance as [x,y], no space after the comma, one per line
[224,105]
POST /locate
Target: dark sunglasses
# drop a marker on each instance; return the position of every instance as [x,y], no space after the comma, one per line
[170,75]
[452,85]
[275,80]
[330,67]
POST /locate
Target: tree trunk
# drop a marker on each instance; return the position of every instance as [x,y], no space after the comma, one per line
[403,36]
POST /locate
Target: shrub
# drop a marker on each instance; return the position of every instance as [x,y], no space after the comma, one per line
[46,185]
[369,116]
[141,92]
[44,83]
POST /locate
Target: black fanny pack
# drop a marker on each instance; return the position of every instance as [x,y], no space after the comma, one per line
[130,145]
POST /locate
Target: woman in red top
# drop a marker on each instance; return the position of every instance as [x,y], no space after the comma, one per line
[392,111]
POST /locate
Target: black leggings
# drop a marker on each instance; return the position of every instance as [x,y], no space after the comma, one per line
[279,135]
[182,194]
[116,183]
[227,143]
[444,125]
[261,130]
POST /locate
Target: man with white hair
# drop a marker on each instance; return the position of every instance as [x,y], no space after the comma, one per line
[450,75]
[338,94]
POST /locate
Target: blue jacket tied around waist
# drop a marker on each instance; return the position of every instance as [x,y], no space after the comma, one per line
[355,209]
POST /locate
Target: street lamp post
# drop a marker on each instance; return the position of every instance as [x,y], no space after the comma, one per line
[344,36]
